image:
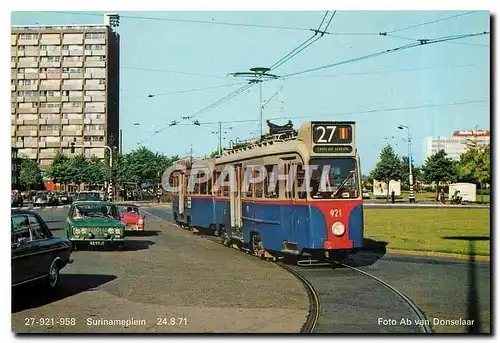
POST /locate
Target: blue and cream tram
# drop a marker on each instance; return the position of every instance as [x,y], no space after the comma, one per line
[280,216]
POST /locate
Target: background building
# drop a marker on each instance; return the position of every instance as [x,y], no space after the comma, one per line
[455,146]
[65,89]
[15,169]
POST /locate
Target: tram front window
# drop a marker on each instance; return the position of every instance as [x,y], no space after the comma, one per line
[334,178]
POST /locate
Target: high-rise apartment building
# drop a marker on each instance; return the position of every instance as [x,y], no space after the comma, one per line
[456,145]
[65,90]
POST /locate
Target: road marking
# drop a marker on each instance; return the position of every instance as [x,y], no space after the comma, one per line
[151,214]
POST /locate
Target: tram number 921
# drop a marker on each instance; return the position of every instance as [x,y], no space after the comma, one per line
[327,134]
[336,213]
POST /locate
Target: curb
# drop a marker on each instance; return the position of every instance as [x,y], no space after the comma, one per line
[438,254]
[40,208]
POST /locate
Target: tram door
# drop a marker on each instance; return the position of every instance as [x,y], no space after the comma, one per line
[235,198]
[182,192]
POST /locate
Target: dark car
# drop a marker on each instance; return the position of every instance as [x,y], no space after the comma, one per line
[36,253]
[16,200]
[63,198]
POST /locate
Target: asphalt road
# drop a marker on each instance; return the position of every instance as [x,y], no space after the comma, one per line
[441,288]
[167,280]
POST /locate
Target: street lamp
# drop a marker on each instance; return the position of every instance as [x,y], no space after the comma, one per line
[110,185]
[411,196]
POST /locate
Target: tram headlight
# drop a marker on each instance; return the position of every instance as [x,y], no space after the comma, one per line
[338,229]
[76,231]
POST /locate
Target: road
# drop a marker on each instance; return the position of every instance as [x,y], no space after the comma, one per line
[168,272]
[162,274]
[440,288]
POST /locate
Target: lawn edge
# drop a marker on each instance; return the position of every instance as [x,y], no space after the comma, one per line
[437,254]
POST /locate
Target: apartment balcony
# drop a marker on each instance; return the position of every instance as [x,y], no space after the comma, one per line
[95,87]
[96,75]
[75,121]
[99,98]
[101,64]
[13,40]
[44,164]
[53,52]
[93,144]
[12,87]
[53,144]
[23,133]
[73,87]
[42,98]
[27,110]
[50,110]
[27,42]
[64,121]
[53,76]
[29,64]
[32,98]
[73,52]
[98,121]
[77,64]
[51,98]
[50,64]
[20,53]
[73,40]
[19,144]
[27,87]
[78,109]
[30,76]
[94,133]
[71,132]
[95,52]
[52,133]
[42,145]
[95,40]
[31,53]
[30,121]
[72,75]
[12,64]
[50,87]
[76,98]
[30,144]
[50,41]
[30,155]
[13,119]
[17,121]
[67,152]
[13,74]
[95,109]
[54,121]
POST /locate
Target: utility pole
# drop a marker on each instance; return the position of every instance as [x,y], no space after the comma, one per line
[191,155]
[411,196]
[260,104]
[220,138]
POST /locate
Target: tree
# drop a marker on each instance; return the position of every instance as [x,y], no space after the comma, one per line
[58,171]
[388,167]
[28,173]
[474,164]
[439,167]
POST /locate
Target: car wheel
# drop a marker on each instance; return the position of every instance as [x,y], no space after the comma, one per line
[53,277]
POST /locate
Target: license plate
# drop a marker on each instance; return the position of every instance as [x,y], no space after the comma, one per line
[96,243]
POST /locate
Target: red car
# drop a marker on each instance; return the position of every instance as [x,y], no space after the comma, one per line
[131,217]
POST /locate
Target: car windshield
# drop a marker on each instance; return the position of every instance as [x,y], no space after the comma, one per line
[89,196]
[334,178]
[94,211]
[128,209]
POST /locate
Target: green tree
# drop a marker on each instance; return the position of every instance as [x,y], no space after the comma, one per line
[58,171]
[388,167]
[28,173]
[439,168]
[474,165]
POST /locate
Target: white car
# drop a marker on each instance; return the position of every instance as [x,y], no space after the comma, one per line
[366,194]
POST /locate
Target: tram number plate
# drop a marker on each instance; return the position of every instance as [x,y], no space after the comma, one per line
[336,213]
[328,134]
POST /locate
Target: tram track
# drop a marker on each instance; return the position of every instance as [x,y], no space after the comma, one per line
[319,293]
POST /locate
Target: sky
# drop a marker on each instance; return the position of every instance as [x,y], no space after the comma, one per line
[434,89]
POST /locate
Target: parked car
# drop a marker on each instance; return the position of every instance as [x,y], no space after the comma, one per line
[131,217]
[63,198]
[366,194]
[94,223]
[16,200]
[88,196]
[41,199]
[36,253]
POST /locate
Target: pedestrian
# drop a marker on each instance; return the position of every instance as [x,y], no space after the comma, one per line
[393,196]
[158,195]
[441,195]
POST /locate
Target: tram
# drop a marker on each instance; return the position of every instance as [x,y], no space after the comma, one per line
[308,204]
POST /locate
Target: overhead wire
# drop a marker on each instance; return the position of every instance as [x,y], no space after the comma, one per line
[194,90]
[174,72]
[430,22]
[384,52]
[193,21]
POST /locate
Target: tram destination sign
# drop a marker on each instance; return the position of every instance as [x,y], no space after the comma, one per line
[325,133]
[330,149]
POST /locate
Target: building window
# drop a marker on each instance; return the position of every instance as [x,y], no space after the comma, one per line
[50,105]
[94,35]
[72,70]
[95,58]
[94,47]
[28,36]
[26,82]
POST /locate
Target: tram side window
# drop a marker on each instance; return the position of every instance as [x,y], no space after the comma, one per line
[225,189]
[274,192]
[289,183]
[219,188]
[259,191]
[203,185]
[301,191]
[186,185]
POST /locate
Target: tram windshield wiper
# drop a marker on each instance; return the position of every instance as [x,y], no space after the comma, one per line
[351,173]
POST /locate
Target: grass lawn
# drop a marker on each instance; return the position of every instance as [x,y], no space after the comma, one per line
[424,229]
